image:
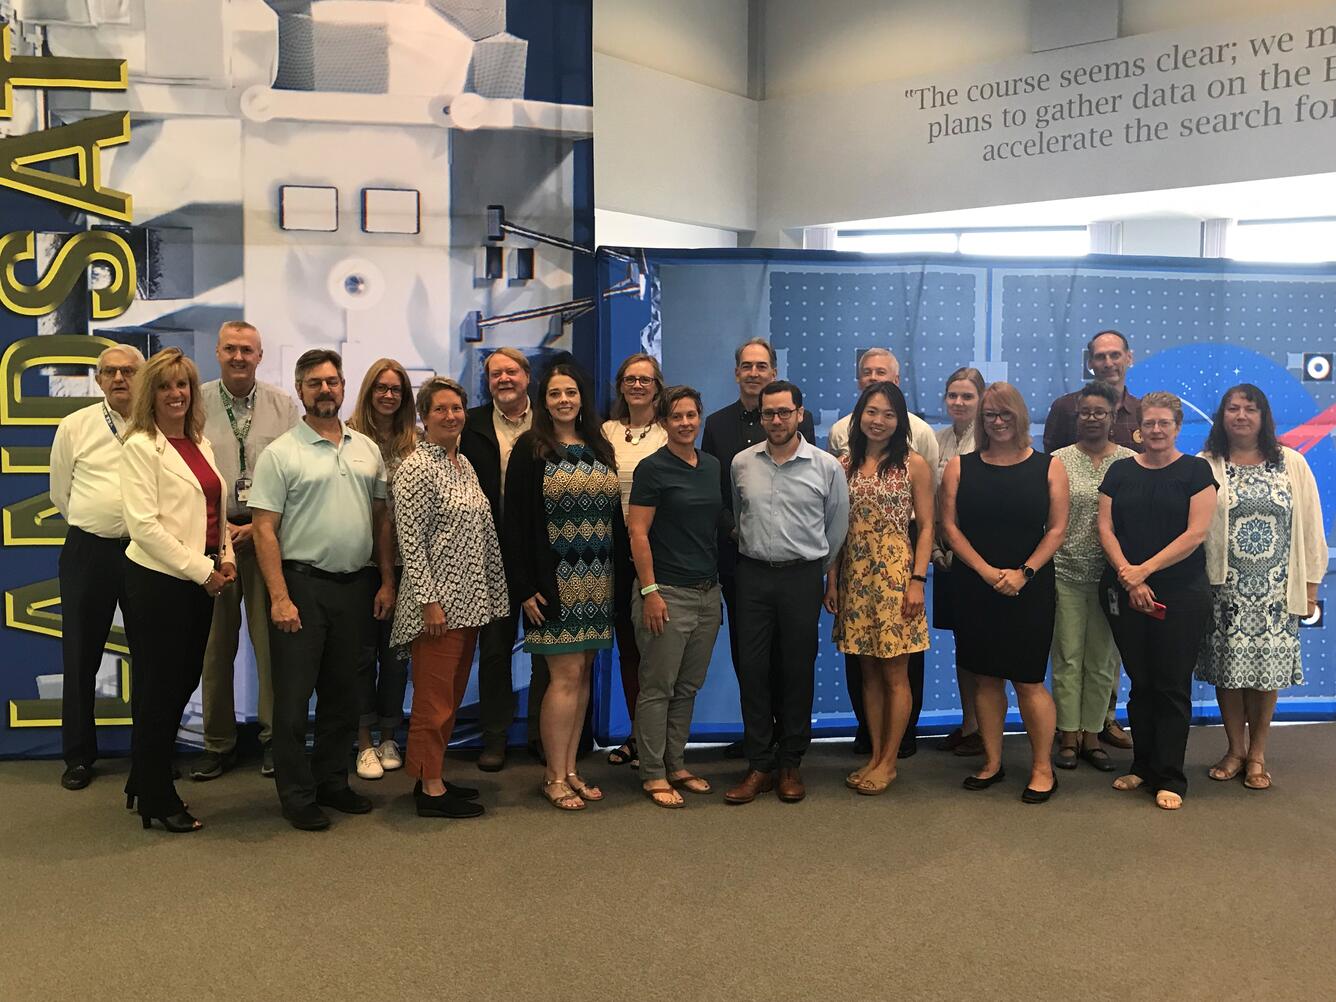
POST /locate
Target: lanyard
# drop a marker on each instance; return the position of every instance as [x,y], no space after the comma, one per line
[111,425]
[240,432]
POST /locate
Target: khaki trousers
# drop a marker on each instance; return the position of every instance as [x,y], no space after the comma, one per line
[220,719]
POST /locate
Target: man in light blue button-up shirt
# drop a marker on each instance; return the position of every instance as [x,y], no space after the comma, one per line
[791,500]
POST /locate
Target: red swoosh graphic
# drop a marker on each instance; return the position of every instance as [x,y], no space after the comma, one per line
[1311,432]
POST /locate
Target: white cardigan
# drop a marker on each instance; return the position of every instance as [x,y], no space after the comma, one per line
[1308,537]
[164,509]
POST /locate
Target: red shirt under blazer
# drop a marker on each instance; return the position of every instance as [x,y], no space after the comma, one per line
[165,510]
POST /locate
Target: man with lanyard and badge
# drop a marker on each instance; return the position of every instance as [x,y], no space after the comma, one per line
[241,417]
[86,490]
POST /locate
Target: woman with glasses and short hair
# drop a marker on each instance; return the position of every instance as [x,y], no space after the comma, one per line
[1266,554]
[384,413]
[635,431]
[1085,660]
[1154,513]
[1004,514]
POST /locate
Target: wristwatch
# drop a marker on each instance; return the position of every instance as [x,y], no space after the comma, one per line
[1028,571]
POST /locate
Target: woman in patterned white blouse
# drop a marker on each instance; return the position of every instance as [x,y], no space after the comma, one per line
[454,583]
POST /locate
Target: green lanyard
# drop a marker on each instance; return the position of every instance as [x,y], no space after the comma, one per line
[240,432]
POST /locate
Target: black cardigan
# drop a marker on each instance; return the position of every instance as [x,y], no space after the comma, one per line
[531,564]
[479,445]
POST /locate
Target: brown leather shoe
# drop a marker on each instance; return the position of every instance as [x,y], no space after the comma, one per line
[790,787]
[1114,735]
[753,784]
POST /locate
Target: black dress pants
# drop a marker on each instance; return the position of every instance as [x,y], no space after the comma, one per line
[92,582]
[323,658]
[496,692]
[1159,656]
[728,586]
[778,612]
[169,620]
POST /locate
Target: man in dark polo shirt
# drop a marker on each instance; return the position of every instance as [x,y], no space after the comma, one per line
[1110,358]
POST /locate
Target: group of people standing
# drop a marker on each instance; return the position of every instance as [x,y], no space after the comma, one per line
[422,529]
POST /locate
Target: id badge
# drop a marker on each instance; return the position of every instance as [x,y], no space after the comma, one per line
[1114,604]
[242,489]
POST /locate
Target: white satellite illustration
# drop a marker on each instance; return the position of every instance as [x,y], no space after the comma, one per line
[321,168]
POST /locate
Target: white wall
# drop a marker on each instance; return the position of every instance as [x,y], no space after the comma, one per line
[840,141]
[675,135]
[622,229]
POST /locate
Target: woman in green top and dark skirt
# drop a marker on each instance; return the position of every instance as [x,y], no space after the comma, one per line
[562,515]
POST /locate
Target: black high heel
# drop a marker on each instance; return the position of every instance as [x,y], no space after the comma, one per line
[177,823]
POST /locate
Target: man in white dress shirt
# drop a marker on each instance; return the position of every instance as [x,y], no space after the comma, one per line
[86,490]
[241,417]
[879,365]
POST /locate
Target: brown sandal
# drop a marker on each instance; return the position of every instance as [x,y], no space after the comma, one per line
[586,791]
[568,801]
[1258,780]
[1129,782]
[692,784]
[1221,774]
[657,792]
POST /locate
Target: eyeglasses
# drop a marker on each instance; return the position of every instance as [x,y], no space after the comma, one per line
[1157,423]
[385,390]
[112,371]
[993,417]
[639,380]
[1092,415]
[778,413]
[315,384]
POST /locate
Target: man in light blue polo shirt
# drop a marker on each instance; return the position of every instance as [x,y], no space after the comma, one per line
[791,501]
[318,502]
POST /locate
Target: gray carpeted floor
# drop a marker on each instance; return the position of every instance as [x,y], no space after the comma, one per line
[928,892]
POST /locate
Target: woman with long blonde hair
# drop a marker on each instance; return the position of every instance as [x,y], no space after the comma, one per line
[179,559]
[386,414]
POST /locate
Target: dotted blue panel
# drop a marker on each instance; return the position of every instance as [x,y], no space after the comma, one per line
[821,321]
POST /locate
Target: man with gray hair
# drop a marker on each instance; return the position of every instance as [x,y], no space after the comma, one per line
[879,365]
[86,490]
[241,417]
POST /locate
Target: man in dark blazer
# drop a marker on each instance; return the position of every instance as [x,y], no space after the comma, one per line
[489,435]
[728,431]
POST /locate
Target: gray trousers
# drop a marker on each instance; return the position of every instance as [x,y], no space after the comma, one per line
[672,669]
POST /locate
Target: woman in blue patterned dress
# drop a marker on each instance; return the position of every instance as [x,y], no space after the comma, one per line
[1266,553]
[563,513]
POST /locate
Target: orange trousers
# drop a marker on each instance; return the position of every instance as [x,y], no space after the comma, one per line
[440,675]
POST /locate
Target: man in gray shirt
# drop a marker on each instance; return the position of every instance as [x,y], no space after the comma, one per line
[241,417]
[791,501]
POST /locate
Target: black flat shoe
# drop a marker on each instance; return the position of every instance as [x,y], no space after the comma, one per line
[446,806]
[308,819]
[1099,758]
[76,777]
[1039,796]
[451,790]
[1067,757]
[975,783]
[345,800]
[178,823]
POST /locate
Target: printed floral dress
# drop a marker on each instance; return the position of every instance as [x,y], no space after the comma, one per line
[875,567]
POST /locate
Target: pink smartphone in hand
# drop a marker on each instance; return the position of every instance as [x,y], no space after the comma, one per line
[1156,611]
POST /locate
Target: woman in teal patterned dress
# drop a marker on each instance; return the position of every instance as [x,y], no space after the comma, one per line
[562,515]
[1266,553]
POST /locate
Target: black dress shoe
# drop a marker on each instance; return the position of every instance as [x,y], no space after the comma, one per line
[908,749]
[76,777]
[345,800]
[446,806]
[451,790]
[975,783]
[1039,796]
[178,824]
[308,819]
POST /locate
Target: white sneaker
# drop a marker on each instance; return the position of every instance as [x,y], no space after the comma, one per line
[368,764]
[390,759]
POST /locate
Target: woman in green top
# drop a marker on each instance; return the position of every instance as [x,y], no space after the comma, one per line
[1085,659]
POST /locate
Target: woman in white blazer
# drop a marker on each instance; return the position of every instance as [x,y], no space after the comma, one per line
[1266,554]
[178,560]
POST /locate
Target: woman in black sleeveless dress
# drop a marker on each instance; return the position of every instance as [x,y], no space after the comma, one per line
[1004,514]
